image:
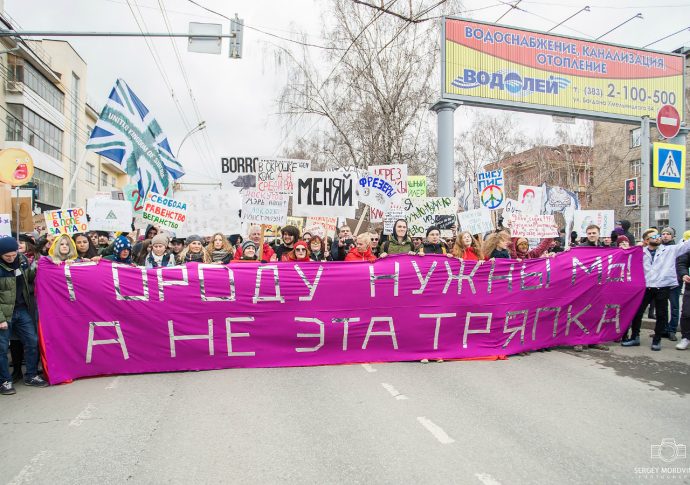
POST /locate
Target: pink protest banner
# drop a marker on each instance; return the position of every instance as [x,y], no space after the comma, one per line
[103,318]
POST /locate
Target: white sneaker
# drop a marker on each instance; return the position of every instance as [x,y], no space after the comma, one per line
[683,344]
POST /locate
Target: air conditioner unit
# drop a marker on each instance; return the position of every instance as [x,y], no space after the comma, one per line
[14,86]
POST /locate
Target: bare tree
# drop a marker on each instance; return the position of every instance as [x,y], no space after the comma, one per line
[372,105]
[491,137]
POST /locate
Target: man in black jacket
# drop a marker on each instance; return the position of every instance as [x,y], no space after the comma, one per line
[683,271]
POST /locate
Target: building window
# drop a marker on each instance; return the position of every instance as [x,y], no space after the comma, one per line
[635,137]
[113,182]
[19,70]
[104,179]
[663,198]
[635,168]
[90,173]
[27,126]
[637,230]
[49,188]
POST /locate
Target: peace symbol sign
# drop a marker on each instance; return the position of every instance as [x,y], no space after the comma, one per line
[492,197]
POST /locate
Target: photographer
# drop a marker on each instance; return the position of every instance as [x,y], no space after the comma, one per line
[342,246]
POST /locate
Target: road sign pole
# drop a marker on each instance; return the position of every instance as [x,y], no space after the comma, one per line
[446,147]
[677,197]
[645,152]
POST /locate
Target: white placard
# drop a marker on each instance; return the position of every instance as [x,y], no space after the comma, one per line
[533,226]
[421,212]
[476,221]
[264,207]
[278,174]
[109,215]
[491,189]
[376,192]
[210,212]
[329,194]
[321,226]
[602,218]
[390,217]
[396,174]
[530,199]
[5,225]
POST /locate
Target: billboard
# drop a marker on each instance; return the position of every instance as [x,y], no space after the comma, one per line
[487,64]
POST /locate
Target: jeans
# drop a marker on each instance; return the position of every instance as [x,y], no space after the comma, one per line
[658,297]
[674,296]
[685,314]
[24,326]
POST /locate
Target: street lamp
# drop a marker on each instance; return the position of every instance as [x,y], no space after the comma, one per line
[196,129]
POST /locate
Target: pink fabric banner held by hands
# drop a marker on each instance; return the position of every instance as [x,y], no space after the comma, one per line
[105,318]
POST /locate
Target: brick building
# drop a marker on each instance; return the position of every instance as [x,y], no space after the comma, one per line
[567,166]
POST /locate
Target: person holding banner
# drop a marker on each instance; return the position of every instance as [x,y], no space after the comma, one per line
[17,313]
[289,235]
[63,250]
[300,253]
[122,251]
[660,273]
[467,247]
[362,250]
[159,257]
[86,251]
[176,247]
[318,250]
[220,251]
[399,242]
[248,249]
[195,252]
[255,236]
[496,245]
[433,244]
[519,249]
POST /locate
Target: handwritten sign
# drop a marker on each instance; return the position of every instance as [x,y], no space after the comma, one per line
[602,218]
[396,174]
[531,199]
[66,221]
[491,187]
[376,192]
[510,207]
[416,185]
[109,215]
[211,211]
[321,226]
[533,226]
[390,217]
[277,174]
[476,221]
[264,207]
[421,212]
[164,211]
[330,194]
[5,225]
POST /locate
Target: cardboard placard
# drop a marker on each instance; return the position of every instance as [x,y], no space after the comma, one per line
[531,199]
[329,194]
[264,207]
[321,226]
[476,221]
[602,218]
[66,221]
[164,212]
[416,186]
[109,215]
[533,226]
[396,174]
[421,212]
[278,174]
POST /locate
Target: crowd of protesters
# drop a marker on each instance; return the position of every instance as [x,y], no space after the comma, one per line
[665,264]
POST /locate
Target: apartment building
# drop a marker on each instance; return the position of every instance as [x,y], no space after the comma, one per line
[45,112]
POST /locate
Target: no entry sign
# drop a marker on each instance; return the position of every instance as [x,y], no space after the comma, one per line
[668,121]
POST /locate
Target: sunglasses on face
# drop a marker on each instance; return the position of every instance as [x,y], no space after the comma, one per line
[375,239]
[655,236]
[300,250]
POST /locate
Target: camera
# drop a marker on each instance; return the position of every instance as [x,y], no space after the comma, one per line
[349,242]
[669,450]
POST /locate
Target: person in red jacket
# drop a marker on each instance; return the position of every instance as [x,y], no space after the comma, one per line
[255,235]
[362,250]
[300,252]
[467,247]
[519,248]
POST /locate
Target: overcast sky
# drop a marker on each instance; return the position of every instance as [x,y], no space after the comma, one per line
[237,98]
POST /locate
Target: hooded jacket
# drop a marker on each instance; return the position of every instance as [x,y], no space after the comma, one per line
[8,286]
[515,253]
[393,246]
[52,252]
[355,255]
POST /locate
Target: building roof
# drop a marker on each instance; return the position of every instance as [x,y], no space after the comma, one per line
[577,153]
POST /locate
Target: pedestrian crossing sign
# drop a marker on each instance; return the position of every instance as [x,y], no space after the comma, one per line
[668,166]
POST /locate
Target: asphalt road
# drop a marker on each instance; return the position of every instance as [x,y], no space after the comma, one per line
[552,417]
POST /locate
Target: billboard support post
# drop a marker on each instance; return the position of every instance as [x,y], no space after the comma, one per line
[645,170]
[446,166]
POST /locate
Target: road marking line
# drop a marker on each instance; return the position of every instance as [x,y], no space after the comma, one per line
[368,368]
[393,392]
[26,474]
[113,384]
[435,430]
[86,413]
[487,479]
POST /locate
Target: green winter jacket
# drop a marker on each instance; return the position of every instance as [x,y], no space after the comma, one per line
[8,288]
[392,246]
